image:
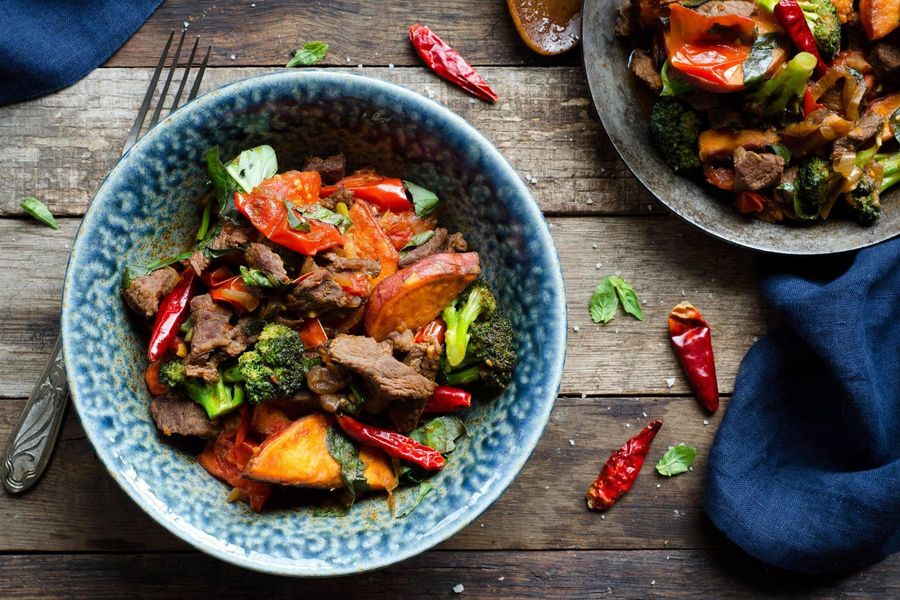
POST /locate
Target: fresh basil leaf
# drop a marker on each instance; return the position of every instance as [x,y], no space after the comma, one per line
[295,222]
[39,211]
[418,494]
[320,213]
[629,299]
[782,151]
[257,278]
[673,84]
[424,201]
[310,54]
[132,272]
[224,185]
[440,434]
[419,239]
[252,167]
[677,459]
[603,302]
[762,53]
[347,455]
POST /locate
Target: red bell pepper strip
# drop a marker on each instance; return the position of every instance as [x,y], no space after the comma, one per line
[435,329]
[448,63]
[621,469]
[809,103]
[367,238]
[172,312]
[448,399]
[226,459]
[691,337]
[750,202]
[791,17]
[387,193]
[394,444]
[313,334]
[233,291]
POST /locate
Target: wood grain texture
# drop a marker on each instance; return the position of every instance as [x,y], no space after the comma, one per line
[541,575]
[665,259]
[374,33]
[78,507]
[60,147]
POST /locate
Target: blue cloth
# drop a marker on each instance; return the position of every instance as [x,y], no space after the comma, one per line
[804,473]
[47,45]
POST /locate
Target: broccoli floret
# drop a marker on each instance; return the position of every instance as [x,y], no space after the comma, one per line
[276,367]
[475,303]
[674,130]
[216,398]
[823,21]
[864,200]
[172,374]
[890,165]
[490,358]
[813,182]
[785,88]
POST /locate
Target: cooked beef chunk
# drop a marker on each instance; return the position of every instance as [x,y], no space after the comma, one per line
[717,8]
[340,264]
[261,257]
[232,236]
[724,118]
[205,367]
[342,195]
[885,59]
[318,294]
[626,20]
[198,262]
[439,243]
[387,379]
[239,338]
[181,416]
[425,358]
[642,67]
[144,293]
[402,342]
[788,177]
[210,326]
[754,171]
[331,169]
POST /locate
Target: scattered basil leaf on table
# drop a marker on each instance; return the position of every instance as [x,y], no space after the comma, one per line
[346,454]
[293,220]
[224,185]
[603,302]
[420,491]
[310,54]
[677,459]
[440,434]
[320,213]
[629,299]
[424,201]
[252,167]
[39,211]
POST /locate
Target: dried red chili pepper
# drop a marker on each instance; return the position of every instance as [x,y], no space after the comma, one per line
[448,63]
[394,444]
[448,399]
[691,338]
[791,17]
[621,469]
[172,312]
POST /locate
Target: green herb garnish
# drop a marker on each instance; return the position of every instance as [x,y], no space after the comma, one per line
[424,201]
[320,213]
[677,459]
[440,433]
[627,297]
[252,167]
[295,222]
[39,211]
[310,54]
[257,278]
[606,298]
[421,491]
[132,272]
[347,455]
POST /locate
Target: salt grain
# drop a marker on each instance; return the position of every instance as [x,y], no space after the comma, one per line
[501,578]
[459,588]
[658,486]
[589,201]
[644,413]
[594,246]
[571,442]
[576,328]
[670,381]
[652,582]
[627,425]
[706,421]
[598,265]
[390,65]
[583,395]
[232,57]
[359,66]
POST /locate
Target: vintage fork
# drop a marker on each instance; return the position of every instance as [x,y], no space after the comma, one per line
[32,439]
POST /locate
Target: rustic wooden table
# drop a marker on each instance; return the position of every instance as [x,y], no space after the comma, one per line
[78,535]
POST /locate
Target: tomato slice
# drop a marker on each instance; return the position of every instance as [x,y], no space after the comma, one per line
[367,239]
[387,193]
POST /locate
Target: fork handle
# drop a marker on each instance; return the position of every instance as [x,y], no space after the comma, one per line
[34,436]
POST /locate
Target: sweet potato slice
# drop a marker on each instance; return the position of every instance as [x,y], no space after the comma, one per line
[299,456]
[268,420]
[415,295]
[879,17]
[718,145]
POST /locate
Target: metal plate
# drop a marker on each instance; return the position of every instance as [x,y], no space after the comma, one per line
[621,104]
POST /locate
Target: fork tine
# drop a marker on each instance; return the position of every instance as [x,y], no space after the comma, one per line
[165,90]
[200,73]
[145,105]
[184,78]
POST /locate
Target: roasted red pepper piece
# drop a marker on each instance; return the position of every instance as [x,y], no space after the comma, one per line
[366,238]
[691,338]
[448,63]
[394,444]
[312,333]
[751,202]
[448,399]
[809,103]
[172,312]
[621,469]
[791,17]
[225,459]
[435,329]
[234,292]
[387,193]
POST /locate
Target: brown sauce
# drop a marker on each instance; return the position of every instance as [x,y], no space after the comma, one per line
[547,26]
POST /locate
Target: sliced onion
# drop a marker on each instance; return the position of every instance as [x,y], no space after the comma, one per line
[248,301]
[845,164]
[827,80]
[852,96]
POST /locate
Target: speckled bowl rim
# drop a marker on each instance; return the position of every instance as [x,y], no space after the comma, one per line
[554,353]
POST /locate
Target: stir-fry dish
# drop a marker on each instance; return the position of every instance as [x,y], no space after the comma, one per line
[789,107]
[319,336]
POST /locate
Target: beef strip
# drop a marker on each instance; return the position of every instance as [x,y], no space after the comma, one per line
[340,264]
[331,169]
[205,367]
[387,379]
[402,341]
[181,416]
[642,67]
[753,171]
[211,326]
[717,8]
[318,294]
[342,195]
[144,293]
[198,262]
[232,236]
[439,243]
[261,257]
[425,358]
[885,59]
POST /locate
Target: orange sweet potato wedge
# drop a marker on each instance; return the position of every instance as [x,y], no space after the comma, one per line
[268,420]
[415,295]
[879,17]
[299,456]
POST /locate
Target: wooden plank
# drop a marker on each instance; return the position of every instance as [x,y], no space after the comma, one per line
[78,507]
[542,575]
[265,32]
[665,259]
[59,148]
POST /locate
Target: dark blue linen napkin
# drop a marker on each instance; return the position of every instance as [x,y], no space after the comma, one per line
[47,45]
[804,472]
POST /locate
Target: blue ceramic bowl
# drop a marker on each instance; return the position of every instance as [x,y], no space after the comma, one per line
[146,209]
